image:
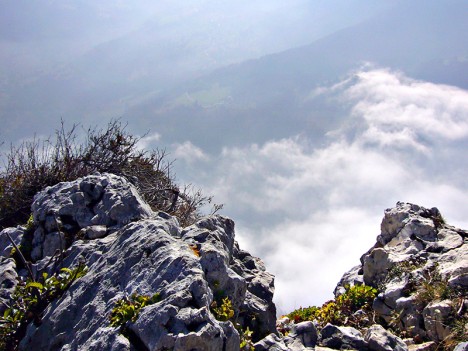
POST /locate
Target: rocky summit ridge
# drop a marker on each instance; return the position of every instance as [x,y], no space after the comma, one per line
[149,284]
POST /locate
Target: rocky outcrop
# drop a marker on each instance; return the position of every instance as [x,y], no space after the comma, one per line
[129,249]
[419,266]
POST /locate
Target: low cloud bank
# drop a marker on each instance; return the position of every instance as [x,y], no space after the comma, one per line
[310,212]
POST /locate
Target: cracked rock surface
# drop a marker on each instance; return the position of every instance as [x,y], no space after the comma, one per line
[130,249]
[419,266]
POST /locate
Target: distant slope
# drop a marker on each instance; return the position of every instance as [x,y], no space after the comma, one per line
[143,75]
[269,97]
[44,74]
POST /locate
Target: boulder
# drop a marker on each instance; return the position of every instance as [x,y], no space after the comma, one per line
[129,249]
[302,336]
[415,250]
[342,338]
[271,342]
[435,315]
[379,339]
[425,346]
[461,347]
[350,278]
[453,266]
[411,320]
[97,200]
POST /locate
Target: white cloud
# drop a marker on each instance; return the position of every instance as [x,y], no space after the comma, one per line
[400,110]
[148,141]
[188,152]
[310,213]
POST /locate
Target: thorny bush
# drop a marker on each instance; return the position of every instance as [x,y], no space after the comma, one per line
[34,165]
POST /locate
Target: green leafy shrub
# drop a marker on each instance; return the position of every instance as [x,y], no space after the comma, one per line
[304,314]
[127,309]
[246,343]
[224,311]
[32,166]
[30,299]
[342,310]
[356,297]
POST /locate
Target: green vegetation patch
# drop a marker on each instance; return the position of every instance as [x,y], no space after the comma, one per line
[30,299]
[127,309]
[224,312]
[342,310]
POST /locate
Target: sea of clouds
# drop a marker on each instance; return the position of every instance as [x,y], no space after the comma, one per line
[311,211]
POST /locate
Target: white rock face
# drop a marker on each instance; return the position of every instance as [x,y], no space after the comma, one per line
[96,200]
[415,252]
[129,249]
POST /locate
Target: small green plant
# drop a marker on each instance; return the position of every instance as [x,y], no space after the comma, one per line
[433,287]
[30,223]
[403,268]
[30,299]
[357,297]
[341,310]
[304,314]
[224,312]
[246,343]
[127,309]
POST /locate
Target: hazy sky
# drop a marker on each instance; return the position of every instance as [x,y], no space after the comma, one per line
[306,148]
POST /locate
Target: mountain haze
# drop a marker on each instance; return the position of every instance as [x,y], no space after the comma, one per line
[59,69]
[255,98]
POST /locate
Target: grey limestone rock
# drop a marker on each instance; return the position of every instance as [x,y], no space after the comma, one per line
[411,319]
[129,249]
[8,281]
[350,278]
[94,232]
[404,214]
[342,338]
[425,346]
[96,200]
[271,343]
[16,234]
[302,336]
[453,265]
[461,347]
[415,247]
[435,315]
[380,339]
